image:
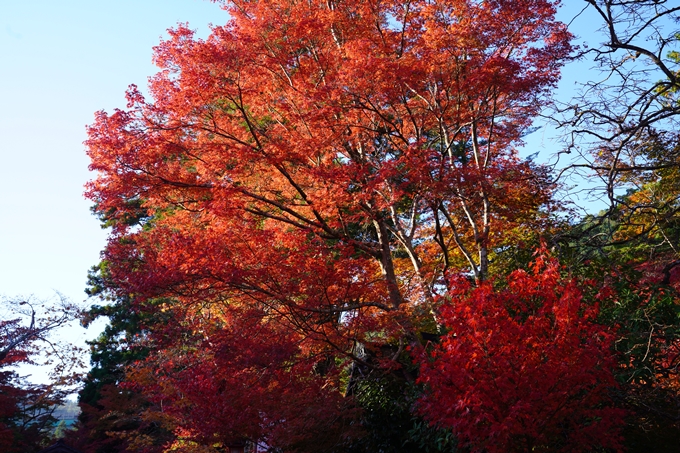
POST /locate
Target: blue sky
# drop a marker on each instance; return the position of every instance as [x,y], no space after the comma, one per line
[61,62]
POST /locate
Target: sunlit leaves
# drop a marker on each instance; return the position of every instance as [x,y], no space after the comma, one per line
[303,182]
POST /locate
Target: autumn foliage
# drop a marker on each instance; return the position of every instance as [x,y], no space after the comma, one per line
[292,201]
[523,368]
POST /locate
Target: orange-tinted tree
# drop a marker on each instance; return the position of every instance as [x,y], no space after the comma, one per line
[302,185]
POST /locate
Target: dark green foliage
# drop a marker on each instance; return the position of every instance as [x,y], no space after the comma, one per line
[120,342]
[133,214]
[649,339]
[388,400]
[111,419]
[637,288]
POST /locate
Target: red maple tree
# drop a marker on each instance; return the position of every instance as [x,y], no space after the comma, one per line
[314,171]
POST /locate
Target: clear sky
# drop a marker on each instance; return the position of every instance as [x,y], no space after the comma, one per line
[60,62]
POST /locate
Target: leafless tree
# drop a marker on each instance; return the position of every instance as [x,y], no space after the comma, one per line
[623,128]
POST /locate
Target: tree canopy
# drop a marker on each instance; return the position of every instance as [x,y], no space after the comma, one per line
[322,238]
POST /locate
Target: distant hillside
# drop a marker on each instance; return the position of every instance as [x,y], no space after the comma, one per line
[68,412]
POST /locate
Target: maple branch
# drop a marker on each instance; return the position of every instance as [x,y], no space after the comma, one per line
[459,242]
[386,263]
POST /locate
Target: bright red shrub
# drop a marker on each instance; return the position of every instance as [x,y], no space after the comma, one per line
[524,368]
